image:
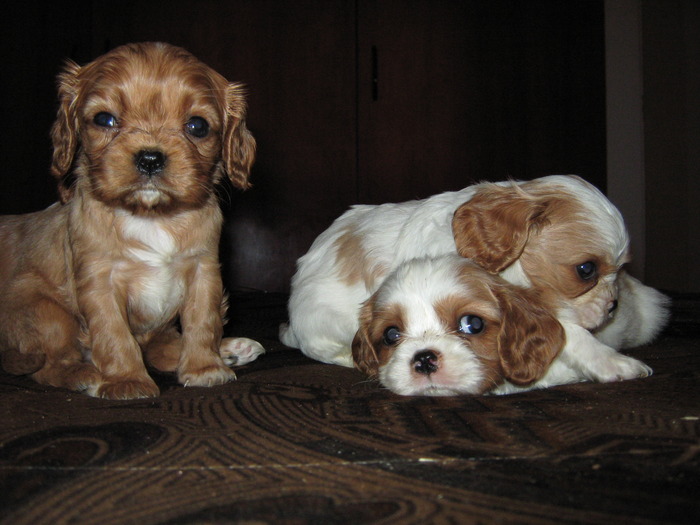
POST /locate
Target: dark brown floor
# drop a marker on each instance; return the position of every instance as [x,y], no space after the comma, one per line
[295,442]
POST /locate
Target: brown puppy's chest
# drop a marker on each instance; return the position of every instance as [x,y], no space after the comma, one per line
[153,270]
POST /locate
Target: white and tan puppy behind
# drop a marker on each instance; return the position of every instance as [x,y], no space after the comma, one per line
[558,235]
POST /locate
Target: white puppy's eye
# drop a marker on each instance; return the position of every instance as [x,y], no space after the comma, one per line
[587,271]
[105,120]
[391,336]
[471,324]
[197,127]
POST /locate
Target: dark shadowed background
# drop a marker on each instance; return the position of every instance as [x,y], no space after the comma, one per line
[376,101]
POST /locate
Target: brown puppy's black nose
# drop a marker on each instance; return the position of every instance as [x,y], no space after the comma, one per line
[425,362]
[150,162]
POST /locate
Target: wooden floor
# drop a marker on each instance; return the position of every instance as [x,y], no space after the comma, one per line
[298,442]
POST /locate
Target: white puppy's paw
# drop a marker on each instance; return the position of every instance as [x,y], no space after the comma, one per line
[237,351]
[596,361]
[617,367]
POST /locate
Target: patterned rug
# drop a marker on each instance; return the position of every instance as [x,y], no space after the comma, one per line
[294,441]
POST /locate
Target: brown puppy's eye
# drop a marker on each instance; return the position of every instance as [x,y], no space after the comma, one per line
[587,270]
[391,336]
[105,120]
[197,127]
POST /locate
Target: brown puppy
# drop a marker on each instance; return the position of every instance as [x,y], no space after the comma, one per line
[126,264]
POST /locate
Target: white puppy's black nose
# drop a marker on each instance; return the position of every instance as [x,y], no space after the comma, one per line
[150,162]
[425,362]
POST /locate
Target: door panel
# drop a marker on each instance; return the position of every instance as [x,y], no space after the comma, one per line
[456,92]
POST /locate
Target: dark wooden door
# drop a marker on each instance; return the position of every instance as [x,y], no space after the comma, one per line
[456,92]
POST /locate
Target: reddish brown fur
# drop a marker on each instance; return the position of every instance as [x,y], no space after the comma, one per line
[485,346]
[368,352]
[68,284]
[353,263]
[494,226]
[540,227]
[530,337]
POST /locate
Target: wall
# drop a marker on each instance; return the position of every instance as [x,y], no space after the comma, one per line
[625,121]
[653,135]
[671,51]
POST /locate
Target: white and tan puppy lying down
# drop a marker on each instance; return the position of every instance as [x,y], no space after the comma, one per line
[557,236]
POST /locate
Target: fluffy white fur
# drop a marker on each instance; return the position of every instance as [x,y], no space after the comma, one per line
[532,233]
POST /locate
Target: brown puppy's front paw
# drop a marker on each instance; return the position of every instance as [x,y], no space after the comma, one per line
[127,389]
[78,376]
[211,375]
[84,377]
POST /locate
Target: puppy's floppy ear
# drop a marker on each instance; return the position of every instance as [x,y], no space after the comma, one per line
[65,132]
[363,354]
[530,336]
[238,149]
[493,227]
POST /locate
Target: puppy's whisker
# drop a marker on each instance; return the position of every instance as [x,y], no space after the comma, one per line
[223,193]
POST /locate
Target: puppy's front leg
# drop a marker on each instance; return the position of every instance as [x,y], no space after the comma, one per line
[114,350]
[202,328]
[597,361]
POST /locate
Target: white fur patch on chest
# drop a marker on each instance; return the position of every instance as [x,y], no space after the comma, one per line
[154,267]
[158,244]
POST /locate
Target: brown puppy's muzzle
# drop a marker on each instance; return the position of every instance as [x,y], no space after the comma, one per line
[150,162]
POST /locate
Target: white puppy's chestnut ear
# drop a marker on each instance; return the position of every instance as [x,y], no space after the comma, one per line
[530,336]
[238,148]
[493,227]
[65,132]
[364,354]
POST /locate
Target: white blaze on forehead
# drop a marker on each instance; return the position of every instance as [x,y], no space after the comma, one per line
[418,286]
[611,227]
[600,212]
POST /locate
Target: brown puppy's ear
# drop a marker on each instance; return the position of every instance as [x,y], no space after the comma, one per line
[238,148]
[493,227]
[530,336]
[363,353]
[65,132]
